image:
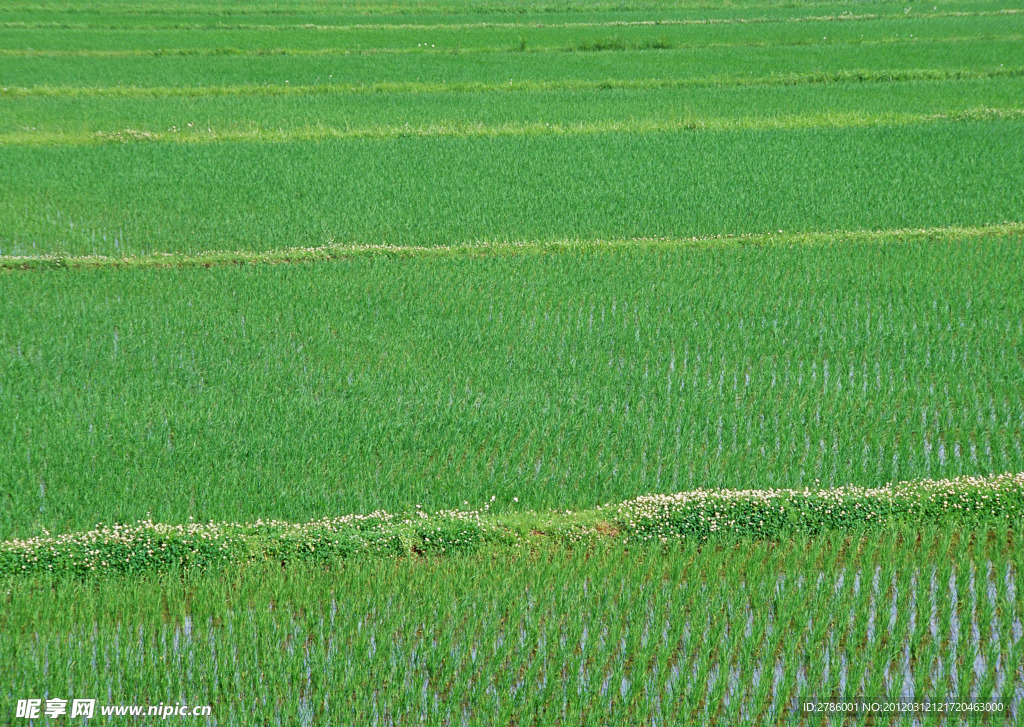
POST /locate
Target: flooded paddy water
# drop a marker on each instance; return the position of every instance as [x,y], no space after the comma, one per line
[661,654]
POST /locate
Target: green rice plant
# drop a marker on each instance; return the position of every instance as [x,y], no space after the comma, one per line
[272,119]
[468,66]
[33,37]
[276,80]
[385,384]
[148,14]
[407,191]
[368,632]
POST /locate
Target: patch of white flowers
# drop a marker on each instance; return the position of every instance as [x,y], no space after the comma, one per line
[694,514]
[147,544]
[700,513]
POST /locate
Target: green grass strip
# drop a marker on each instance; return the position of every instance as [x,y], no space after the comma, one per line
[833,120]
[696,515]
[778,79]
[339,251]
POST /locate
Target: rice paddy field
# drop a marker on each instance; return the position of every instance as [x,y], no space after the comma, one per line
[728,635]
[513,362]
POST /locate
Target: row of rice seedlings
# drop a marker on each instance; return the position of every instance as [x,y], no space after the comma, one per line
[264,20]
[278,118]
[280,16]
[509,36]
[438,382]
[457,66]
[412,191]
[640,638]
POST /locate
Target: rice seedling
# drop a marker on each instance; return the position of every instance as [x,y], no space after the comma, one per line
[49,121]
[410,191]
[390,165]
[723,61]
[386,384]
